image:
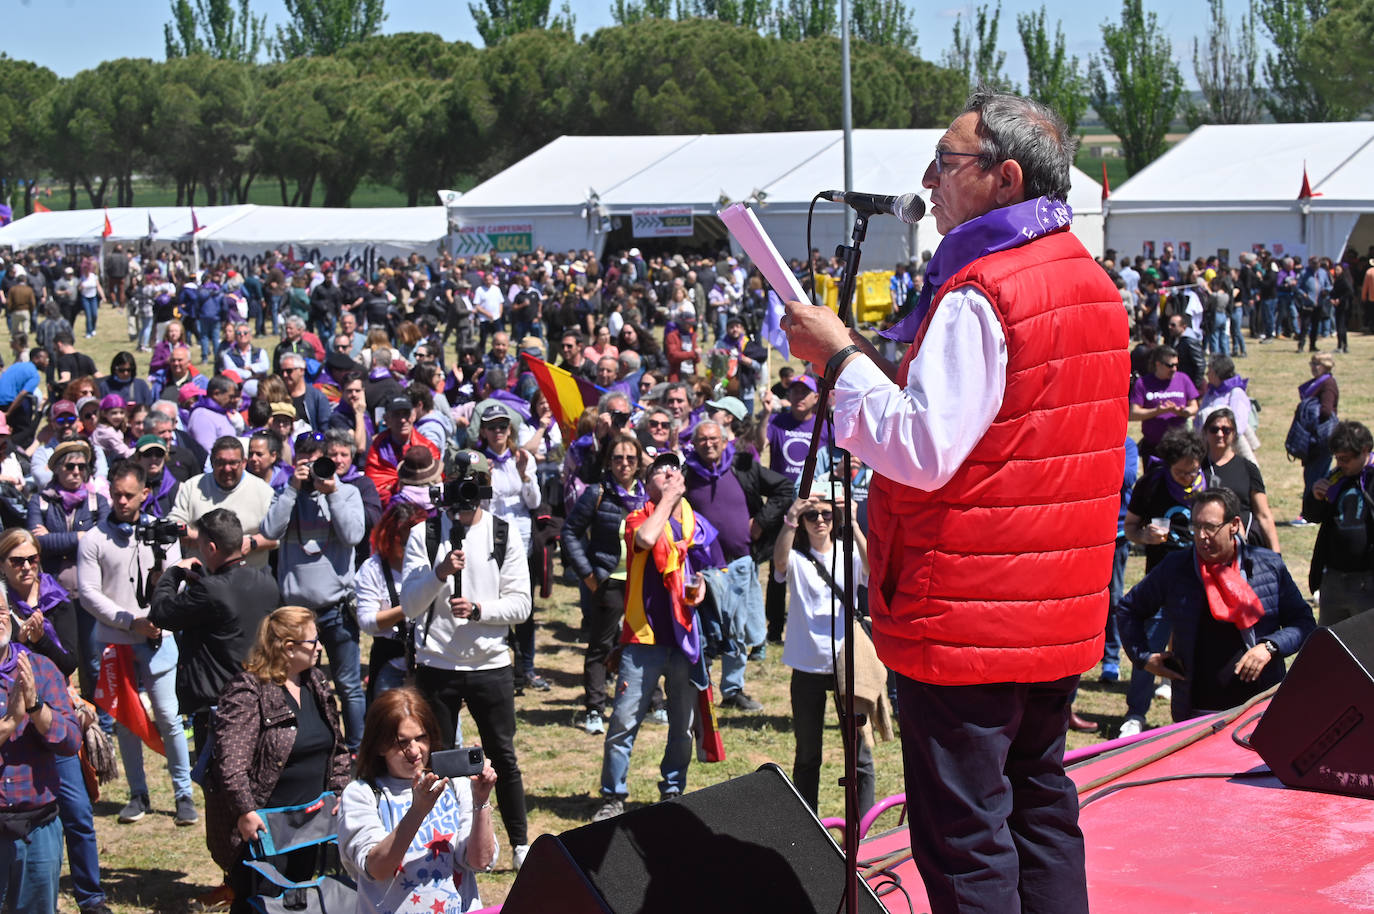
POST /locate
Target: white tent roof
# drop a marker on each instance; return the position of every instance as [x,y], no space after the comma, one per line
[128,223]
[414,226]
[695,170]
[1257,167]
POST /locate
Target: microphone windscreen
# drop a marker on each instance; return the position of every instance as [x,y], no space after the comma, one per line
[910,208]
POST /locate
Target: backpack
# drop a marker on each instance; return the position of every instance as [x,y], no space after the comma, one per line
[1308,430]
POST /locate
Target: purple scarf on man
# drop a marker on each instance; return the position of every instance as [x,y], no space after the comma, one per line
[11,661]
[50,594]
[999,230]
[727,460]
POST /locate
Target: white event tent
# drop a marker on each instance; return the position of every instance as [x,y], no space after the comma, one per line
[1230,188]
[244,233]
[620,191]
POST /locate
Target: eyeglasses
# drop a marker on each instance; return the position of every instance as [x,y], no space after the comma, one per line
[242,333]
[227,464]
[19,561]
[1173,365]
[290,370]
[624,458]
[941,166]
[74,466]
[659,423]
[308,642]
[1219,429]
[497,425]
[714,439]
[1200,528]
[814,516]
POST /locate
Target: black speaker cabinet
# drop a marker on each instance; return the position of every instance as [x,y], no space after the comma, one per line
[1318,732]
[747,845]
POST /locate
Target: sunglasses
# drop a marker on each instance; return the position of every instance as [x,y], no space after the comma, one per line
[1222,429]
[498,425]
[624,458]
[65,420]
[19,561]
[658,423]
[74,466]
[814,516]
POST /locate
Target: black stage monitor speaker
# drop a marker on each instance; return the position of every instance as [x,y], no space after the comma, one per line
[1318,732]
[747,845]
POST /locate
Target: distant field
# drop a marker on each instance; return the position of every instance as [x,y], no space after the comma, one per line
[263,192]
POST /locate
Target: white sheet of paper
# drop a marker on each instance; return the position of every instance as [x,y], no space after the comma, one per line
[745,228]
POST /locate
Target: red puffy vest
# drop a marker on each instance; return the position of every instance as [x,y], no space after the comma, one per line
[1002,574]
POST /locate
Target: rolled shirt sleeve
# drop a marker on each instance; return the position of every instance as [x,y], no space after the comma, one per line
[919,435]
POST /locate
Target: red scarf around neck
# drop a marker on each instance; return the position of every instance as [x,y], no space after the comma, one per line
[1229,596]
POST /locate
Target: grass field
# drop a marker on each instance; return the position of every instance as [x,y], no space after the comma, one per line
[154,866]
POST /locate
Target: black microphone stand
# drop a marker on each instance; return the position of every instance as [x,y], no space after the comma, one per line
[850,722]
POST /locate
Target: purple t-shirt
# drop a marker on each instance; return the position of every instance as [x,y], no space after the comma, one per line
[1149,391]
[788,442]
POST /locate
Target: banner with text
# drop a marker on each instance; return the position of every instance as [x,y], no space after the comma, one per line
[665,222]
[506,239]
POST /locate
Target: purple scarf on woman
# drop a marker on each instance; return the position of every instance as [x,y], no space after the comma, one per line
[70,500]
[1309,389]
[495,458]
[999,230]
[50,594]
[152,505]
[632,499]
[1182,495]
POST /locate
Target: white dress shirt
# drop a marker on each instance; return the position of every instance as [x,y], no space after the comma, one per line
[920,434]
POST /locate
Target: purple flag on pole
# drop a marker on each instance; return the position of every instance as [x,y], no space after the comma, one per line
[6,214]
[772,325]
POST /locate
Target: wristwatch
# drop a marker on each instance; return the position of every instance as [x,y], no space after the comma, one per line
[1271,646]
[38,705]
[476,614]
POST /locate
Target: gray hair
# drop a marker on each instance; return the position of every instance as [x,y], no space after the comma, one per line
[343,438]
[614,397]
[296,321]
[154,421]
[629,360]
[1033,135]
[295,358]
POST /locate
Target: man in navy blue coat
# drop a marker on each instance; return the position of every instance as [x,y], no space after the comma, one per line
[1234,609]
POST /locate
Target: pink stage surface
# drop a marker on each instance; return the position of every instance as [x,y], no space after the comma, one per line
[1235,840]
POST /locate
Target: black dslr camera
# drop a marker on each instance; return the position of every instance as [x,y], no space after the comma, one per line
[162,531]
[465,490]
[321,468]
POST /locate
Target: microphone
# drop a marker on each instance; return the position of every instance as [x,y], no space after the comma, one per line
[908,208]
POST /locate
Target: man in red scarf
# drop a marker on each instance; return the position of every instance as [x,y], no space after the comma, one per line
[1234,610]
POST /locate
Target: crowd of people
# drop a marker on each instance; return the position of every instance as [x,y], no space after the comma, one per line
[288,455]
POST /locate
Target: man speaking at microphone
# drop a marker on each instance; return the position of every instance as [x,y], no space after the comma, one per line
[996,444]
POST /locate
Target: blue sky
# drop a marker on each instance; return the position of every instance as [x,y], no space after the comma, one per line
[70,35]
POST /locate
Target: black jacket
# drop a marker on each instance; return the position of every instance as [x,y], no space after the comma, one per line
[216,620]
[591,534]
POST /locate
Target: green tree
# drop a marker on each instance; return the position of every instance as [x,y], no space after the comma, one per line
[794,20]
[628,12]
[405,54]
[752,14]
[533,83]
[503,18]
[212,27]
[1294,95]
[982,63]
[433,131]
[203,128]
[21,117]
[318,28]
[1135,84]
[1053,77]
[1329,53]
[1225,72]
[886,23]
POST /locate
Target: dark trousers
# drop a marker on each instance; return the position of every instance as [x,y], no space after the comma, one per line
[775,605]
[602,612]
[809,693]
[994,818]
[490,697]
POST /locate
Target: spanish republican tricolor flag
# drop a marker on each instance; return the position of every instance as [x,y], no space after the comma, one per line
[568,395]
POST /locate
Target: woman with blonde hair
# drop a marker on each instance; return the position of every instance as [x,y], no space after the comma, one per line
[174,334]
[277,743]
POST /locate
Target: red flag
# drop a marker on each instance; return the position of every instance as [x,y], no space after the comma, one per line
[116,692]
[710,744]
[109,229]
[1306,192]
[40,208]
[1106,185]
[291,253]
[195,223]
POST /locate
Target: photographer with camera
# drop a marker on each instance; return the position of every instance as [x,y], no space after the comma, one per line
[117,567]
[462,603]
[318,521]
[214,604]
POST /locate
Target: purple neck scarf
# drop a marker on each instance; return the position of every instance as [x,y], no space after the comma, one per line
[50,594]
[1309,389]
[727,460]
[495,458]
[1182,495]
[1230,384]
[352,474]
[152,504]
[11,661]
[632,499]
[999,230]
[71,500]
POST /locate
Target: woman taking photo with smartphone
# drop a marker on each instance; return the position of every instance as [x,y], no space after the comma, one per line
[413,841]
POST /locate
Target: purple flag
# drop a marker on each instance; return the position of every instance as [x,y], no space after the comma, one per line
[6,214]
[772,325]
